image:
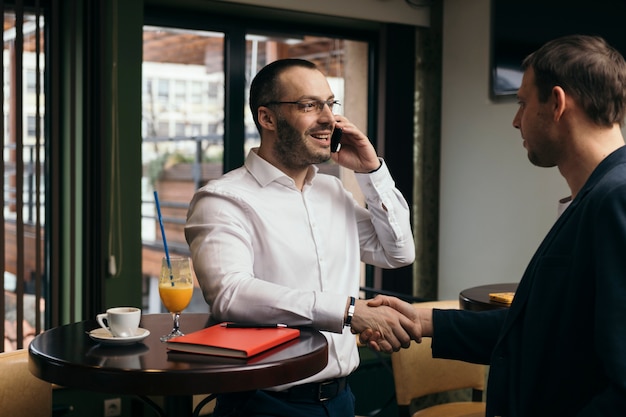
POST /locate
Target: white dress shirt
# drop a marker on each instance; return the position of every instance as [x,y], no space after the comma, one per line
[563,205]
[266,252]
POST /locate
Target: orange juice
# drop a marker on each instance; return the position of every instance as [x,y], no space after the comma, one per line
[175,298]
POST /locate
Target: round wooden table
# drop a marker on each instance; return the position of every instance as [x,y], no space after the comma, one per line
[477,298]
[67,356]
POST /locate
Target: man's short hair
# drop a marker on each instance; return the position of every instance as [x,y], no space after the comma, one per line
[588,69]
[266,87]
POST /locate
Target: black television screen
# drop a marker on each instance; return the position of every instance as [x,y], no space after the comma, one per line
[521,26]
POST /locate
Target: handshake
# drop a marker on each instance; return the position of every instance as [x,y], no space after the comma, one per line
[387,323]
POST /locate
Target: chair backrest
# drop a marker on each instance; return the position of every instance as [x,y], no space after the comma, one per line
[21,393]
[416,373]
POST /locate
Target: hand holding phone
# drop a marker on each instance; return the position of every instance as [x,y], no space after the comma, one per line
[335,140]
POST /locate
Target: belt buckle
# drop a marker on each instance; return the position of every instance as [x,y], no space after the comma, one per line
[320,394]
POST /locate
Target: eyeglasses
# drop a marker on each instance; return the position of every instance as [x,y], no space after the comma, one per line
[307,106]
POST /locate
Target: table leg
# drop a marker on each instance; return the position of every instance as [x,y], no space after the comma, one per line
[174,405]
[179,405]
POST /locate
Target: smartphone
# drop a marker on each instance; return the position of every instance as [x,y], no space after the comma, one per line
[335,140]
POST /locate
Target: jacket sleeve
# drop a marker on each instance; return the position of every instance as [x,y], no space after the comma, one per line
[469,336]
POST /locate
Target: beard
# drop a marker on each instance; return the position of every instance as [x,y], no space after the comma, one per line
[292,148]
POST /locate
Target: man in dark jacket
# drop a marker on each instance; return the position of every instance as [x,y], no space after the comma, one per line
[560,350]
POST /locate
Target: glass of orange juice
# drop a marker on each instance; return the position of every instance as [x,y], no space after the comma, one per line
[175,289]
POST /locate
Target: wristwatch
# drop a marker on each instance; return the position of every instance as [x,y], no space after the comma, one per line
[350,312]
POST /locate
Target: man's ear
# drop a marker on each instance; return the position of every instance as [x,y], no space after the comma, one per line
[267,118]
[560,103]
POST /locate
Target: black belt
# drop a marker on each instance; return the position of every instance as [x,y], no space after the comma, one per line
[313,392]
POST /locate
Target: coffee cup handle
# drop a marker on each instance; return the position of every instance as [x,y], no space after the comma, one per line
[100,318]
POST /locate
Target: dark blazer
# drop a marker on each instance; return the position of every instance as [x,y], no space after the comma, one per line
[560,350]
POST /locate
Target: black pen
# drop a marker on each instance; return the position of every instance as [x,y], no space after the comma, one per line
[252,325]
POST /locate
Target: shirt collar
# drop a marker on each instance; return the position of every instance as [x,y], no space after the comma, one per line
[563,205]
[265,173]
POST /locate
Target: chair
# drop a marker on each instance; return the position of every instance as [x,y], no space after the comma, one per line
[208,405]
[21,393]
[416,374]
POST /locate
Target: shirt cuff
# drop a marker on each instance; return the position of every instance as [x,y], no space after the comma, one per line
[376,182]
[330,312]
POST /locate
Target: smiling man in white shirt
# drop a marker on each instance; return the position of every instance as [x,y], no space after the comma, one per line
[274,241]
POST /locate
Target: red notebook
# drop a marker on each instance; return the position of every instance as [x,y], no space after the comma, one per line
[232,342]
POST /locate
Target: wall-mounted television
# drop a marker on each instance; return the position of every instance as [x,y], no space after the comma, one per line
[521,26]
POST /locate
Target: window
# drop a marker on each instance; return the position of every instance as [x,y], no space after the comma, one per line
[31,129]
[23,196]
[176,166]
[31,81]
[164,92]
[180,91]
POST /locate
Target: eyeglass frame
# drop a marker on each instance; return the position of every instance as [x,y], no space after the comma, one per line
[319,104]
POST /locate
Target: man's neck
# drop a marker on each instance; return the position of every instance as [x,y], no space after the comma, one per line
[297,175]
[585,158]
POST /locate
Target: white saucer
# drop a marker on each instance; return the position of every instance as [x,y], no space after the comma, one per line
[105,337]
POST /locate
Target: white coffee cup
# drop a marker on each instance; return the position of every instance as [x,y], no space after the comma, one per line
[121,321]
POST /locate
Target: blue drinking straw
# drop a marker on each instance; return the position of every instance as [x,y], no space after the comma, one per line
[167,252]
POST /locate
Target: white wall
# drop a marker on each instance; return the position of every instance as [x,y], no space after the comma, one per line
[495,206]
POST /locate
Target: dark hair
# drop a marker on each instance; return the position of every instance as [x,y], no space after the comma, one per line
[265,86]
[588,69]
